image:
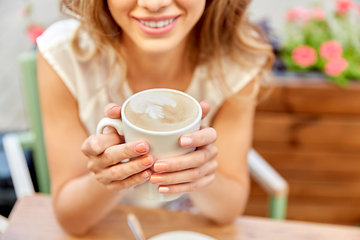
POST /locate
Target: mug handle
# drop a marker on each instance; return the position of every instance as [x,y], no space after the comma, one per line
[109,122]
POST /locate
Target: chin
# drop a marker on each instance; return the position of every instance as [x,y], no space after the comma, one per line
[158,46]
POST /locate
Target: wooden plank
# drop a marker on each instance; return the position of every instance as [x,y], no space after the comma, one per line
[339,210]
[297,129]
[321,176]
[308,188]
[312,161]
[310,211]
[335,201]
[306,147]
[299,95]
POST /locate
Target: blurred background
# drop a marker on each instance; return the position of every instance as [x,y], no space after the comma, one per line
[308,130]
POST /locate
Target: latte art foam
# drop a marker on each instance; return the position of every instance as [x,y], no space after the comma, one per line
[161,111]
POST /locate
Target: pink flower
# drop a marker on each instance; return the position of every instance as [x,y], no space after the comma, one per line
[298,13]
[34,31]
[304,56]
[22,12]
[318,14]
[344,6]
[336,67]
[331,49]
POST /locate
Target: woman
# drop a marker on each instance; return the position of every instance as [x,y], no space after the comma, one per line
[89,66]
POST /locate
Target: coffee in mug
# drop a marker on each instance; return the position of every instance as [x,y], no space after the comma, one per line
[158,117]
[161,111]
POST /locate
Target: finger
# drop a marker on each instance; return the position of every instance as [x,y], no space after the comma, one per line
[199,138]
[122,171]
[187,161]
[112,111]
[187,187]
[205,108]
[129,182]
[190,175]
[117,153]
[109,129]
[96,144]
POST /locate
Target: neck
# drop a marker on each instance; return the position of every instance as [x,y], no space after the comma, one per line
[148,70]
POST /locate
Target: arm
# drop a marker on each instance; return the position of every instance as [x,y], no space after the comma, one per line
[81,198]
[226,197]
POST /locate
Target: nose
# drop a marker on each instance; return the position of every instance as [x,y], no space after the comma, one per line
[154,5]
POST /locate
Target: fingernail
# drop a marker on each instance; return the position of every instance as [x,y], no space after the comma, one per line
[108,130]
[140,148]
[156,178]
[160,166]
[185,141]
[145,161]
[145,174]
[163,189]
[113,107]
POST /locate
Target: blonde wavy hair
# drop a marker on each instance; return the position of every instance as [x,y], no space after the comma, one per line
[211,38]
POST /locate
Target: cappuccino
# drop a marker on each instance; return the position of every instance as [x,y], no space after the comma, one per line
[161,111]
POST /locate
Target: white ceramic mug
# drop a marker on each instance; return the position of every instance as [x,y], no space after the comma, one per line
[162,144]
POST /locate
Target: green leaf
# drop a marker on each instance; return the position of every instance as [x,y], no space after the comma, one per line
[340,81]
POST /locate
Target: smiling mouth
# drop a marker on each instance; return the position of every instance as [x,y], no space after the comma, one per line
[157,24]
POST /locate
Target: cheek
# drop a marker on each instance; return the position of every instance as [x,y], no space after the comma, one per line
[120,9]
[192,7]
[123,4]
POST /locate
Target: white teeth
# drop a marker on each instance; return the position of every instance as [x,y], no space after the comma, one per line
[158,24]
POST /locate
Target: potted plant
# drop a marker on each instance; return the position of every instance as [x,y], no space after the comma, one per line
[327,43]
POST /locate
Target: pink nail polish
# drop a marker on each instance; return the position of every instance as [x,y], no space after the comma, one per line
[145,174]
[163,189]
[145,161]
[140,148]
[160,166]
[186,141]
[156,178]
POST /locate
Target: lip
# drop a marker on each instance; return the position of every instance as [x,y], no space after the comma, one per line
[156,18]
[157,31]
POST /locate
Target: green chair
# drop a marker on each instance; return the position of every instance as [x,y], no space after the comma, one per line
[260,170]
[34,138]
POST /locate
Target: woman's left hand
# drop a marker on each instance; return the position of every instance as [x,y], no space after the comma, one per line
[192,171]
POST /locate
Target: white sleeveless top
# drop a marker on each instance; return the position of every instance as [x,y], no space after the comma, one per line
[86,79]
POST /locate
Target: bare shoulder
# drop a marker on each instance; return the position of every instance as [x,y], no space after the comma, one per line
[47,77]
[56,99]
[242,102]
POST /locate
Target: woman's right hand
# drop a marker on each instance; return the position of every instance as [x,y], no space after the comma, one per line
[107,150]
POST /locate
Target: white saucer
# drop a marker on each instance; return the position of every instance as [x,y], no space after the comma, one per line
[181,235]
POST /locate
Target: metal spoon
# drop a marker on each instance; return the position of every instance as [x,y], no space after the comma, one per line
[135,227]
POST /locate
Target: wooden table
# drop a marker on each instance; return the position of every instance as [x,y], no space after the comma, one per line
[33,218]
